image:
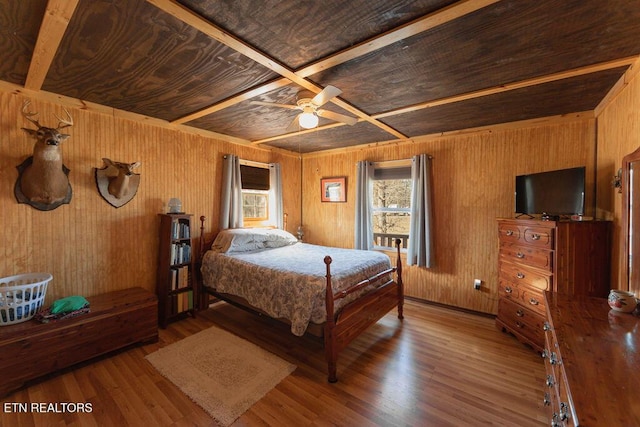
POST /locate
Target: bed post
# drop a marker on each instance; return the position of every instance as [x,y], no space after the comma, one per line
[399,281]
[329,337]
[201,252]
[203,302]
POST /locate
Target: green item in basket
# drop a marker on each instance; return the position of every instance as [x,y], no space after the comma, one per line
[69,304]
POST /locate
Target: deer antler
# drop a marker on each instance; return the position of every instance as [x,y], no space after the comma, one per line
[28,115]
[63,123]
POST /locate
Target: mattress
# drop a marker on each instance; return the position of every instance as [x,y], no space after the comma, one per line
[289,282]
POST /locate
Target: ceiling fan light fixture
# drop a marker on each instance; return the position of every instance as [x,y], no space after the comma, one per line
[308,120]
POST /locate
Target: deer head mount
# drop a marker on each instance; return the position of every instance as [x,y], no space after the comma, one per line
[43,180]
[116,181]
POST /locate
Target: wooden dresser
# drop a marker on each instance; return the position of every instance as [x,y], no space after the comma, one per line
[568,257]
[592,357]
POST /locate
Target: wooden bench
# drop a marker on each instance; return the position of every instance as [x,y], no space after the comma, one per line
[117,319]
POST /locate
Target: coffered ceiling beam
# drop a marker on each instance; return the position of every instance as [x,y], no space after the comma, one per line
[244,96]
[196,21]
[594,68]
[54,24]
[417,26]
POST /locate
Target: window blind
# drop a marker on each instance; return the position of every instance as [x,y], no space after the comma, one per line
[403,172]
[254,178]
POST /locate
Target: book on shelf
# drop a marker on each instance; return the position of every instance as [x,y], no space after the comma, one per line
[179,277]
[183,301]
[180,230]
[180,253]
[174,279]
[183,277]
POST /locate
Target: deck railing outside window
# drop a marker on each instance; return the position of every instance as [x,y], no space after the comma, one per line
[388,239]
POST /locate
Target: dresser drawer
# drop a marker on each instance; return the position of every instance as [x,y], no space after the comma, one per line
[521,321]
[541,237]
[521,233]
[522,275]
[527,255]
[526,296]
[506,289]
[508,232]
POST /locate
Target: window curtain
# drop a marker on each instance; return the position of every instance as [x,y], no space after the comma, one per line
[231,193]
[364,226]
[420,248]
[275,195]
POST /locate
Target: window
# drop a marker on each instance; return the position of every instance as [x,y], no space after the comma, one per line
[255,194]
[255,205]
[391,203]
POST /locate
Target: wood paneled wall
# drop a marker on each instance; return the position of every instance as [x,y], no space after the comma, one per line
[618,135]
[89,246]
[474,180]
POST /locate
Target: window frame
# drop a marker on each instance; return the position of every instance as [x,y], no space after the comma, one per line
[260,221]
[390,165]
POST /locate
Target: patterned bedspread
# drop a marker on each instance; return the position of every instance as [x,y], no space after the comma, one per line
[289,282]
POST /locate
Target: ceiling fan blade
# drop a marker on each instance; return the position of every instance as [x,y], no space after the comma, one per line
[326,94]
[337,117]
[272,104]
[295,124]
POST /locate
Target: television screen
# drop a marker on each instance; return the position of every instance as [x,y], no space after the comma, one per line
[559,192]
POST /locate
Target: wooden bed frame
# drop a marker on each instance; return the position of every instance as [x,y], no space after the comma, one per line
[342,326]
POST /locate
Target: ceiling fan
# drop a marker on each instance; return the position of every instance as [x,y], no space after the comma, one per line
[310,107]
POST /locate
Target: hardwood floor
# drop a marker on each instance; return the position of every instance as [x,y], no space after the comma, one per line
[439,367]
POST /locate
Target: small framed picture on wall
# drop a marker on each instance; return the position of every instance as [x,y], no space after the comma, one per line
[333,189]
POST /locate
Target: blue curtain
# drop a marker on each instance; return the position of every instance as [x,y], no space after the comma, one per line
[420,250]
[231,194]
[364,226]
[275,195]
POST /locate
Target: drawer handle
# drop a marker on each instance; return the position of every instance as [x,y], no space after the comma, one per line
[546,327]
[564,411]
[521,325]
[508,289]
[535,236]
[533,301]
[520,313]
[547,399]
[550,382]
[509,233]
[520,255]
[520,276]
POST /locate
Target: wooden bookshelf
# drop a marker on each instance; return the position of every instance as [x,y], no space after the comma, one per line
[176,286]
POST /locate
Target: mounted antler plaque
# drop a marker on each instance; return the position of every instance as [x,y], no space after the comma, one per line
[116,182]
[43,180]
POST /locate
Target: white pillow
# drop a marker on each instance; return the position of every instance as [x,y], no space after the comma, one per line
[251,239]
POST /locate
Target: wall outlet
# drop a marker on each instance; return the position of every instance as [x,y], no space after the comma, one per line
[477,284]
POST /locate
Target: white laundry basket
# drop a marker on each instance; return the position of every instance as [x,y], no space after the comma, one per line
[22,296]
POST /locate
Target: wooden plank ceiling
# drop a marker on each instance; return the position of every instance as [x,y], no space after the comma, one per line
[405,68]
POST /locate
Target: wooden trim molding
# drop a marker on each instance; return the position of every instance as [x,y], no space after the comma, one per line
[54,24]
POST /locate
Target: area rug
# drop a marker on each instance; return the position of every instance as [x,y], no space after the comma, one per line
[221,372]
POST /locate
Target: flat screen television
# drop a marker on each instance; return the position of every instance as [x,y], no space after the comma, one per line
[557,193]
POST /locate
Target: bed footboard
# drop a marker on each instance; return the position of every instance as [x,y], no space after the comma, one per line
[357,316]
